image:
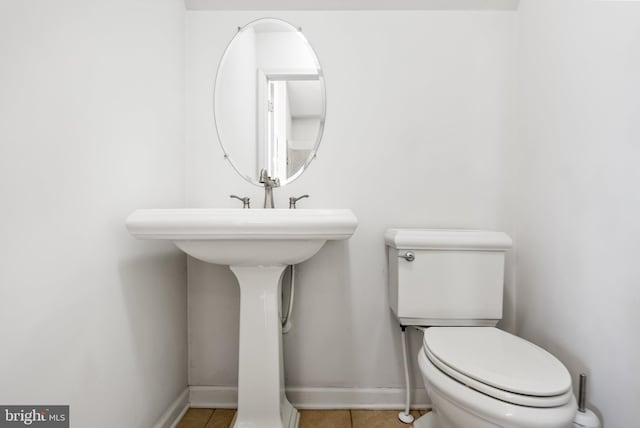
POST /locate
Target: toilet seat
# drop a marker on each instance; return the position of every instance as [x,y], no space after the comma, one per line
[499,365]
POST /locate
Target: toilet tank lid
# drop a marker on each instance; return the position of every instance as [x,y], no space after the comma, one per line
[447,239]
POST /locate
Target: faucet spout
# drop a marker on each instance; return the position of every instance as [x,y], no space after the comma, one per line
[269,183]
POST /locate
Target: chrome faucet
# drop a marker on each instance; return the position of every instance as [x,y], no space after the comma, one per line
[269,184]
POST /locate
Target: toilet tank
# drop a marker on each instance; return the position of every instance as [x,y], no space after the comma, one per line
[455,279]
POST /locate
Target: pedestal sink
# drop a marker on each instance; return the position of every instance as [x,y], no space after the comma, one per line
[257,244]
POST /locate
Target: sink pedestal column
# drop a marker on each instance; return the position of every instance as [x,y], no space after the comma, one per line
[261,399]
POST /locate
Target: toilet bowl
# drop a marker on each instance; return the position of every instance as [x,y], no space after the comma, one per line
[482,377]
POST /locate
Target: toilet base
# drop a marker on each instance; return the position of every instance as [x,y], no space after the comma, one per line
[427,420]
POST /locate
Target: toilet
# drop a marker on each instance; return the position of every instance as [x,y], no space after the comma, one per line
[449,283]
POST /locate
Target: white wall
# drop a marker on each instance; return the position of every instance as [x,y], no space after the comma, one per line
[418,118]
[91,127]
[578,204]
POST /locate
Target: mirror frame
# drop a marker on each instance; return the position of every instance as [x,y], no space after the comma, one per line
[314,151]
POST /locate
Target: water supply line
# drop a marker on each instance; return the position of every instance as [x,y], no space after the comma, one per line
[286,317]
[406,416]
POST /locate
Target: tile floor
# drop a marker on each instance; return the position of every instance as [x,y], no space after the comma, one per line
[222,418]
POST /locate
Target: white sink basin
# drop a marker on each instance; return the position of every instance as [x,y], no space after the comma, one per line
[245,237]
[257,244]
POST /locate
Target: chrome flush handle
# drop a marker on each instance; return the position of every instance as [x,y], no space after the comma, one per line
[245,200]
[408,256]
[293,200]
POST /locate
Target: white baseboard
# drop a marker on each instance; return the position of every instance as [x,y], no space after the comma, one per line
[225,397]
[175,412]
[213,397]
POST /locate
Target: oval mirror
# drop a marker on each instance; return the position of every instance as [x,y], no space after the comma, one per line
[269,101]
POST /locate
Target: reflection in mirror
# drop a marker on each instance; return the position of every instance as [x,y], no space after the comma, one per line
[269,101]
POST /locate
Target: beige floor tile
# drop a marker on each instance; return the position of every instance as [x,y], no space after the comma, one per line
[224,418]
[195,418]
[325,419]
[221,418]
[378,418]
